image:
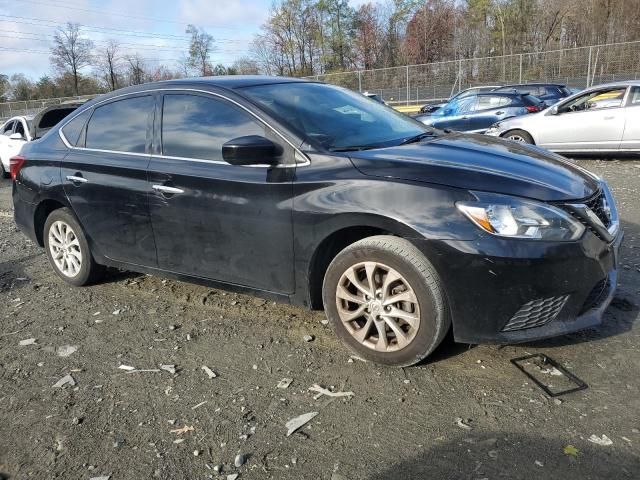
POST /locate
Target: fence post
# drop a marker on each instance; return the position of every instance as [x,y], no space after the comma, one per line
[589,67]
[520,75]
[407,69]
[360,81]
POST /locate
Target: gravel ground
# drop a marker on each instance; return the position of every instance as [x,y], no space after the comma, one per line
[399,423]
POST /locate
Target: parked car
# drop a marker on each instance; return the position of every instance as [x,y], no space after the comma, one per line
[18,130]
[432,107]
[549,93]
[476,113]
[311,194]
[605,118]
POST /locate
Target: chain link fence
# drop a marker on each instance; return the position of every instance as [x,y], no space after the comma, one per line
[30,107]
[416,84]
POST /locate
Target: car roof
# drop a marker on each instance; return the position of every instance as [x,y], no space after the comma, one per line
[621,83]
[28,118]
[537,84]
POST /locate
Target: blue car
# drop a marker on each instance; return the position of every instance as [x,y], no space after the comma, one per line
[476,113]
[549,93]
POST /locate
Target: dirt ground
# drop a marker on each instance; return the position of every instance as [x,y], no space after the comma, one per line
[399,423]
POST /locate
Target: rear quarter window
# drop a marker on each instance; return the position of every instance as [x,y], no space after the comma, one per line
[73,129]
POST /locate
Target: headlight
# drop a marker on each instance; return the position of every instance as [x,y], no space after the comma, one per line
[515,217]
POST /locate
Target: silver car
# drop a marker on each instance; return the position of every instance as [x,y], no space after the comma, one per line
[599,119]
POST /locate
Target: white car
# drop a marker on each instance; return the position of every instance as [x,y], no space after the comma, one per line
[14,133]
[602,119]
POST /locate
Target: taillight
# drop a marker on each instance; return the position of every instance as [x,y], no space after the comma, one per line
[532,108]
[15,164]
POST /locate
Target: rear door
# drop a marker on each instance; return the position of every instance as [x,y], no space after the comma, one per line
[455,114]
[215,220]
[105,177]
[590,122]
[488,110]
[631,135]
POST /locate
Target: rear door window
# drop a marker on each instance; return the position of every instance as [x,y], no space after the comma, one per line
[488,102]
[121,126]
[634,98]
[196,127]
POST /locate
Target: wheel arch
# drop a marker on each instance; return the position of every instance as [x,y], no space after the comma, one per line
[42,211]
[343,234]
[504,135]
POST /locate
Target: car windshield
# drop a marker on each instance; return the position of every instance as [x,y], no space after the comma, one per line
[337,118]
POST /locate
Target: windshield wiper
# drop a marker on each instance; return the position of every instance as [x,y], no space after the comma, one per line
[353,148]
[419,137]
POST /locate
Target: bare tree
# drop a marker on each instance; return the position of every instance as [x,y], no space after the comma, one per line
[200,50]
[71,52]
[110,63]
[136,69]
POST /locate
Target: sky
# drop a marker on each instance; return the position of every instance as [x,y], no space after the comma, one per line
[153,28]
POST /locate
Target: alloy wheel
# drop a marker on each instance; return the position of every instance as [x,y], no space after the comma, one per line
[65,249]
[517,138]
[378,306]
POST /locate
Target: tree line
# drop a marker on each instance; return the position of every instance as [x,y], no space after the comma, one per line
[311,37]
[314,37]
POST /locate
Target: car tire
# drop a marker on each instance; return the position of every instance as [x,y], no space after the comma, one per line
[413,326]
[4,173]
[518,136]
[68,250]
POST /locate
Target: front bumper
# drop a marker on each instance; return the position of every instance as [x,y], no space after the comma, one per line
[511,291]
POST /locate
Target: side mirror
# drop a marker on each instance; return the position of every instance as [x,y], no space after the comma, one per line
[553,110]
[251,150]
[16,136]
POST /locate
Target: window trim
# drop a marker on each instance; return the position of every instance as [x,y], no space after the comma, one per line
[301,159]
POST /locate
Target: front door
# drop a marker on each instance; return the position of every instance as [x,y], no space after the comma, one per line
[631,135]
[212,219]
[105,178]
[593,121]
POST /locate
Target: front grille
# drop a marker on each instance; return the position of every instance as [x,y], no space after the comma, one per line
[536,313]
[597,295]
[598,205]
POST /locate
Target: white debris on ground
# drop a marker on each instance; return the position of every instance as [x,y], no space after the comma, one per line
[323,391]
[298,422]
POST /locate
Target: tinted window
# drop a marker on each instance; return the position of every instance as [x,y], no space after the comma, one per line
[456,107]
[73,129]
[635,96]
[121,125]
[20,129]
[53,117]
[197,127]
[333,116]
[6,130]
[487,102]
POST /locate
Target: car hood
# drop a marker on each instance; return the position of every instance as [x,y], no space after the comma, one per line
[478,162]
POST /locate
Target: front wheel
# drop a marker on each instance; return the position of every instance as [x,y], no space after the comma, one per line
[518,136]
[68,250]
[3,173]
[385,301]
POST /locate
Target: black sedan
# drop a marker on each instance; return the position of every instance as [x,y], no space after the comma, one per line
[312,194]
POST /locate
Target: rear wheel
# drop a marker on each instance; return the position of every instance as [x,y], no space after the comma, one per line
[385,301]
[518,136]
[68,250]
